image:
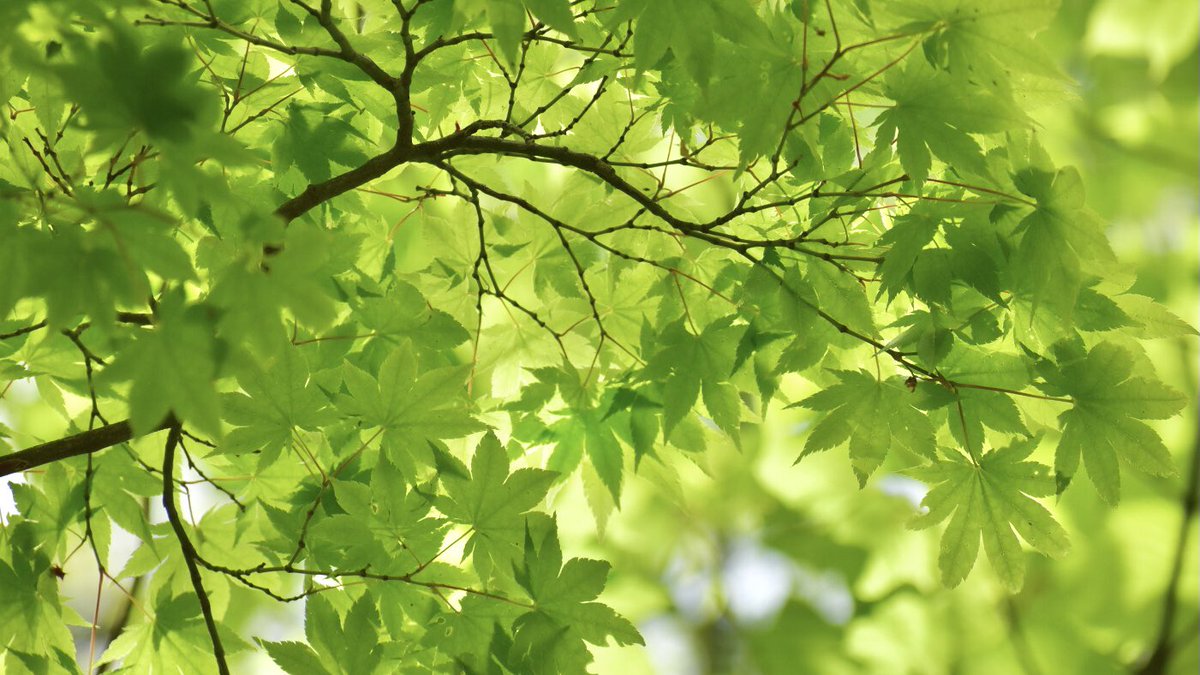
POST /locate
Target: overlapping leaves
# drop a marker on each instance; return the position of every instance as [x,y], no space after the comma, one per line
[410,406]
[971,233]
[551,638]
[491,501]
[872,416]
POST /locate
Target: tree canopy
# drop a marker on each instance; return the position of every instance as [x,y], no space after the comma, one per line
[336,304]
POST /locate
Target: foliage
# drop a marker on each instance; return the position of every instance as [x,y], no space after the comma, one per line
[396,277]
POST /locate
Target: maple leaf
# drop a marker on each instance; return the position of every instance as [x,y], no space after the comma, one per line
[311,142]
[183,345]
[173,635]
[969,410]
[357,230]
[872,415]
[691,366]
[906,238]
[586,427]
[32,616]
[937,113]
[334,646]
[551,637]
[1061,242]
[386,525]
[411,408]
[279,398]
[1104,426]
[492,501]
[988,40]
[990,500]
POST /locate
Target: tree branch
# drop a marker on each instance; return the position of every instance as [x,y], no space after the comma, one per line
[1160,657]
[319,193]
[23,331]
[83,443]
[189,552]
[596,166]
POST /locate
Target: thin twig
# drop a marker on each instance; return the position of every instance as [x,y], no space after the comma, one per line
[189,551]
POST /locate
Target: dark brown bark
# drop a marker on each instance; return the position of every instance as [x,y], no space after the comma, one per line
[71,446]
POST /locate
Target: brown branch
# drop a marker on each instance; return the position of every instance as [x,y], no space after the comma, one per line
[136,318]
[319,193]
[477,145]
[375,167]
[83,443]
[346,50]
[23,331]
[189,551]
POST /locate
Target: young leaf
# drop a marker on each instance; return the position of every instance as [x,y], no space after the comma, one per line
[1060,242]
[551,637]
[690,365]
[295,658]
[872,415]
[183,347]
[491,501]
[1104,425]
[411,409]
[278,399]
[990,500]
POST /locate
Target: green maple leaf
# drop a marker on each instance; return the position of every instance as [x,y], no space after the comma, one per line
[173,369]
[691,366]
[551,637]
[555,13]
[32,616]
[406,313]
[1104,426]
[937,113]
[144,234]
[583,426]
[294,657]
[842,296]
[105,80]
[988,40]
[385,525]
[786,303]
[412,408]
[173,638]
[1061,243]
[591,429]
[1151,319]
[508,21]
[872,415]
[51,507]
[251,292]
[976,253]
[312,140]
[990,500]
[98,282]
[335,646]
[492,501]
[688,30]
[279,398]
[969,410]
[909,234]
[299,222]
[474,634]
